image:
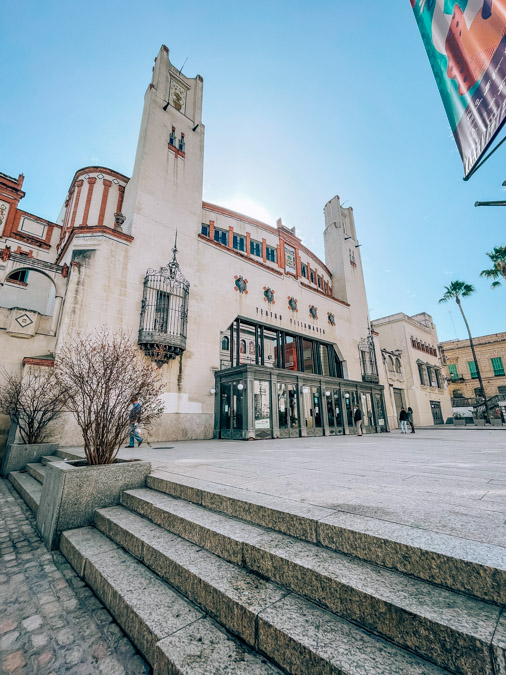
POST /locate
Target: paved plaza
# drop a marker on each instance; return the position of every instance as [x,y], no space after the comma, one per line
[50,622]
[443,480]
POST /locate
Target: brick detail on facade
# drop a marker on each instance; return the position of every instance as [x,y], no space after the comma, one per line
[103,203]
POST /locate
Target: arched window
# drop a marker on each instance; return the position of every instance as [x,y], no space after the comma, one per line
[398,368]
[31,289]
[20,276]
[252,347]
[243,347]
[390,363]
[225,343]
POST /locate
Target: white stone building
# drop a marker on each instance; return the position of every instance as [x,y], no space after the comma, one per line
[255,335]
[411,367]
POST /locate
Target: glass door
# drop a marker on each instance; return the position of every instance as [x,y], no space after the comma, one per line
[262,399]
[288,413]
[237,412]
[334,412]
[367,413]
[316,395]
[350,400]
[312,411]
[226,411]
[380,412]
[232,410]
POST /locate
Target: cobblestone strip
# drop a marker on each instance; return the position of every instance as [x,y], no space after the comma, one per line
[50,621]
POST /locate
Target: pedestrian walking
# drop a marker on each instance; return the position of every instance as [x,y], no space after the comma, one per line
[403,419]
[357,418]
[410,419]
[134,418]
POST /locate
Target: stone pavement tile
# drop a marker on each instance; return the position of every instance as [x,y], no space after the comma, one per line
[446,471]
[50,622]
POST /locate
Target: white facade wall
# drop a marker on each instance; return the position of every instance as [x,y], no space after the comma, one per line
[395,333]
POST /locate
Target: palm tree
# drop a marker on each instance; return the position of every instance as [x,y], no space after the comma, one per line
[455,291]
[498,257]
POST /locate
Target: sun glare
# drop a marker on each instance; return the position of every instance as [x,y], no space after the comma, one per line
[248,207]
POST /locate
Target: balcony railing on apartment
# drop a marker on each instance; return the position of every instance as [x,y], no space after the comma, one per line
[464,402]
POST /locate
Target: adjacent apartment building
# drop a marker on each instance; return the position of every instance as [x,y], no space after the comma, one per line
[462,375]
[413,370]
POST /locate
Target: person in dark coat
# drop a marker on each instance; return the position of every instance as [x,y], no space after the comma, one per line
[134,418]
[410,419]
[403,419]
[357,418]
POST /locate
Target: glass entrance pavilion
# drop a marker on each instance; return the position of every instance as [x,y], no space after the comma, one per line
[276,384]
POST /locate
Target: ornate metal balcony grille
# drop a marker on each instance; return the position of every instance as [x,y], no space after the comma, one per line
[164,312]
[368,361]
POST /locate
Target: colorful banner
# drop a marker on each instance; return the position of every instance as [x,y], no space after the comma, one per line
[465,41]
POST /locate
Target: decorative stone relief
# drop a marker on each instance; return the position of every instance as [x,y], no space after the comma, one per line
[177,96]
[269,295]
[22,323]
[292,304]
[4,210]
[241,284]
[331,318]
[313,311]
[33,227]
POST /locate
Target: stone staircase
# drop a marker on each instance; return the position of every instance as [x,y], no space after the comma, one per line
[29,481]
[211,579]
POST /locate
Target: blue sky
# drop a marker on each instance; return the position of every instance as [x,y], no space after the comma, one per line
[302,101]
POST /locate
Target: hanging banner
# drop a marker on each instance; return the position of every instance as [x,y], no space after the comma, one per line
[465,41]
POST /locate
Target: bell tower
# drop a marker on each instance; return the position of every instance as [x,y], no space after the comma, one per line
[342,257]
[165,190]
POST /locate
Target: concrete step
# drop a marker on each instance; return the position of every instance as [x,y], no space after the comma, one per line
[50,458]
[29,488]
[66,454]
[172,634]
[37,471]
[459,564]
[451,629]
[246,605]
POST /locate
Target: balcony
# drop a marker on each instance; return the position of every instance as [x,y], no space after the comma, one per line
[164,313]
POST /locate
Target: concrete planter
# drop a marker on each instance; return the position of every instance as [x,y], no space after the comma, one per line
[496,422]
[72,492]
[459,422]
[479,422]
[17,455]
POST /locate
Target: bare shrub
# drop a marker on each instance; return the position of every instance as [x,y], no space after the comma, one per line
[101,374]
[31,400]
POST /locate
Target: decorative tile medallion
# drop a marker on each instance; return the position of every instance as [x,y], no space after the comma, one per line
[269,295]
[331,318]
[313,311]
[23,320]
[292,304]
[241,284]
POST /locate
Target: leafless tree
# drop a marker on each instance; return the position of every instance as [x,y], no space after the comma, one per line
[31,400]
[101,373]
